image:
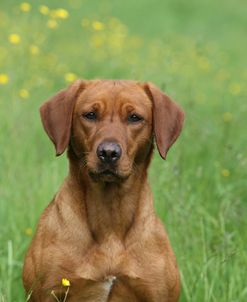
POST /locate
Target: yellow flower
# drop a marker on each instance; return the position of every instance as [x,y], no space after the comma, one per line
[52,24]
[227,117]
[14,39]
[235,88]
[44,10]
[23,93]
[4,79]
[25,7]
[98,25]
[65,282]
[70,77]
[34,50]
[225,172]
[61,13]
[28,231]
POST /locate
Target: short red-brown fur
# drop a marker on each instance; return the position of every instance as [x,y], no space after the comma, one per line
[96,229]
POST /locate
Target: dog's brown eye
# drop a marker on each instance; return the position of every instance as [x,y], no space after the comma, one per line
[90,116]
[134,118]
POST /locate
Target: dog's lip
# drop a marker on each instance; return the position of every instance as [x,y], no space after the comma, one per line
[104,172]
[108,172]
[107,175]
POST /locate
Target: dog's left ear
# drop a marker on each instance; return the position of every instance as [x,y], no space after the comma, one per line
[168,118]
[56,115]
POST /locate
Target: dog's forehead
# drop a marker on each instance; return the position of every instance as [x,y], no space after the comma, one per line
[115,92]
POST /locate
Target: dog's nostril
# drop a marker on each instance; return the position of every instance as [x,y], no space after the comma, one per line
[109,152]
[114,154]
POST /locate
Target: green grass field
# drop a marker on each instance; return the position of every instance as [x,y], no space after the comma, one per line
[195,51]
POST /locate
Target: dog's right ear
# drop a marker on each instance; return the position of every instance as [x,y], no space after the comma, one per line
[56,115]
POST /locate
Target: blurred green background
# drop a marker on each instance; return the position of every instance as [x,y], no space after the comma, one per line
[196,52]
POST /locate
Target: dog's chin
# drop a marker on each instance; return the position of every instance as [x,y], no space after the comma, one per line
[107,176]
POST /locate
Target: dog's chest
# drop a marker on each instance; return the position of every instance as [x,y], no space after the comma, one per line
[114,268]
[110,258]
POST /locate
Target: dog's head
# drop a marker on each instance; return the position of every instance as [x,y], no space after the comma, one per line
[109,125]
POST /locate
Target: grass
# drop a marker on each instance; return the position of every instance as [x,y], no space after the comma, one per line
[193,50]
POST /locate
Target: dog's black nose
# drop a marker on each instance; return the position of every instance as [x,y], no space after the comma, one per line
[109,152]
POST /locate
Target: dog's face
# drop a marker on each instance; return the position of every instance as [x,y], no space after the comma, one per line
[110,125]
[112,128]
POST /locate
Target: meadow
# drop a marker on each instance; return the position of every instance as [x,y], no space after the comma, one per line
[196,52]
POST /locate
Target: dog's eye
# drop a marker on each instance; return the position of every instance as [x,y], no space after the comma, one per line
[90,116]
[134,118]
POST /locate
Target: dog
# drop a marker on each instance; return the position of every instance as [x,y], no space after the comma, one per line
[100,232]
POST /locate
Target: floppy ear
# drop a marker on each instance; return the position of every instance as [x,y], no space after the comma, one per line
[168,119]
[56,115]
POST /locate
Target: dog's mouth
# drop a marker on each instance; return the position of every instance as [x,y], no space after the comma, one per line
[107,175]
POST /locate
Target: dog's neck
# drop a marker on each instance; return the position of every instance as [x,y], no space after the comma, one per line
[112,208]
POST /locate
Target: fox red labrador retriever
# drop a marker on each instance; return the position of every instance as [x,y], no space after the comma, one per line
[100,232]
